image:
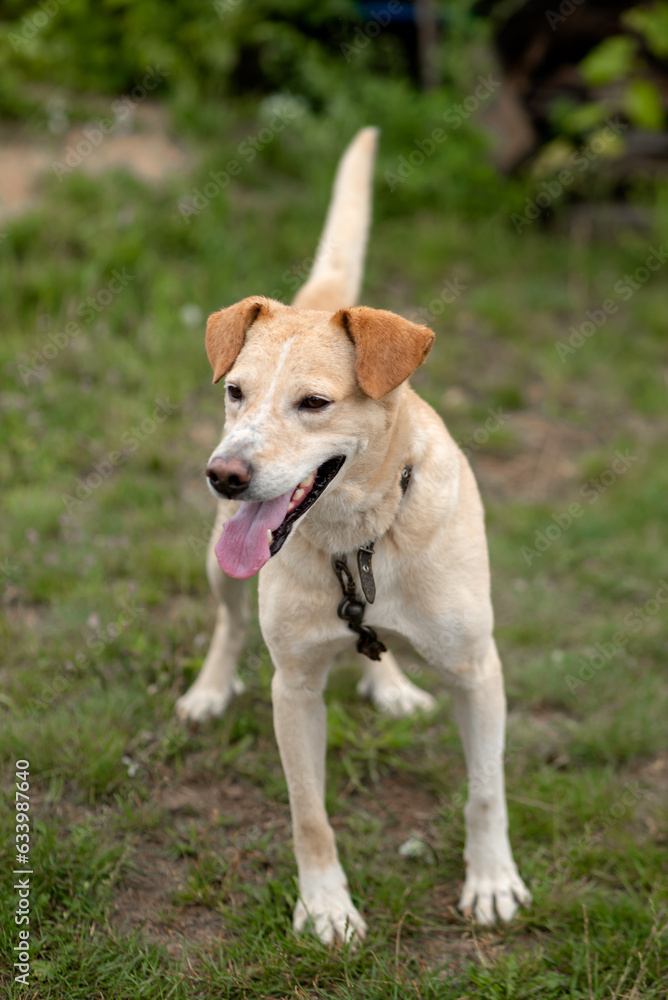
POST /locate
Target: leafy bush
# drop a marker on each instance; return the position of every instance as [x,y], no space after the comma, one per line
[205,50]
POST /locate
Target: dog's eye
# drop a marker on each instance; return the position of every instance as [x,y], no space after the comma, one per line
[314,403]
[234,392]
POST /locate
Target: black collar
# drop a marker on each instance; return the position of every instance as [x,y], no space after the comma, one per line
[351,608]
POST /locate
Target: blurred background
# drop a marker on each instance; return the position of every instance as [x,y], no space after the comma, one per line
[159,160]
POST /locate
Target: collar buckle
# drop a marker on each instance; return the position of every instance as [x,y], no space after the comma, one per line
[365,570]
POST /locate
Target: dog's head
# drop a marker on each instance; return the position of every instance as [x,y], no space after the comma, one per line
[305,392]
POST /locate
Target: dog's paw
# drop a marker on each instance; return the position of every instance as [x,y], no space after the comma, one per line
[331,923]
[398,697]
[326,909]
[484,897]
[201,704]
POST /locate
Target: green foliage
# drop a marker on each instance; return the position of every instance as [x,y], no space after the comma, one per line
[621,59]
[644,106]
[200,50]
[611,60]
[651,23]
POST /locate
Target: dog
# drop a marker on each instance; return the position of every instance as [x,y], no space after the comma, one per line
[328,454]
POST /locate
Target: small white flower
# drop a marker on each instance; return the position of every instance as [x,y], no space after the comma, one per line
[190,314]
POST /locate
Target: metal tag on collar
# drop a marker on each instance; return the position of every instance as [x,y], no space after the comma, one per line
[366,572]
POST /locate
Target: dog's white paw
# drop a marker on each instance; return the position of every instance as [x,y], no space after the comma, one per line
[325,907]
[397,697]
[501,894]
[200,704]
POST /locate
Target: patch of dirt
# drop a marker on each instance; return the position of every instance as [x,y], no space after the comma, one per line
[140,142]
[543,733]
[444,938]
[655,772]
[544,465]
[145,904]
[20,166]
[229,818]
[155,875]
[652,781]
[400,802]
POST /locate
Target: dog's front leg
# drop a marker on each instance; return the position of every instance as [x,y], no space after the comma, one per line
[491,876]
[300,721]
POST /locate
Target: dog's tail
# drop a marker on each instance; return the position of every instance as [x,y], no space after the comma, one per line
[336,276]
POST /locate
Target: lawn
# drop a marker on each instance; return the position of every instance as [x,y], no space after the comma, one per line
[161,857]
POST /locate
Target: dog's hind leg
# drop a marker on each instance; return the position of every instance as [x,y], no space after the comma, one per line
[217,681]
[390,690]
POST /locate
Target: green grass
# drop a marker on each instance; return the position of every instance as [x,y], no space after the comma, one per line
[88,696]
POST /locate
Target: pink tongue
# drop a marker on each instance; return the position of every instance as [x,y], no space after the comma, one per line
[243,548]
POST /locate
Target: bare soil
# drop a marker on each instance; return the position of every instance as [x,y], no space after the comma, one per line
[140,142]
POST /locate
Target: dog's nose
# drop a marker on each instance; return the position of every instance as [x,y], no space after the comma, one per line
[230,477]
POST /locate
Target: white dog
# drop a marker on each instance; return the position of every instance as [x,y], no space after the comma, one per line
[345,489]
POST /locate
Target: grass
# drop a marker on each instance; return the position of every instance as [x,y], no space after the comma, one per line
[145,834]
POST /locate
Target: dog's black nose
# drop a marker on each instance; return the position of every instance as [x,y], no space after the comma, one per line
[230,477]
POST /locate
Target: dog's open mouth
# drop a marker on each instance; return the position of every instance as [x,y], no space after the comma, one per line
[259,529]
[303,498]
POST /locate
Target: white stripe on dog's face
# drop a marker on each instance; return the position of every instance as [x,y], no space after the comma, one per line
[246,433]
[284,360]
[268,399]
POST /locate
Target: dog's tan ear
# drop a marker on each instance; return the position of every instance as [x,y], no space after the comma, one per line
[226,329]
[389,348]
